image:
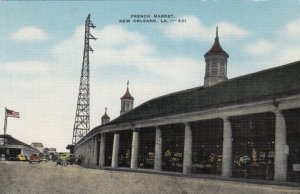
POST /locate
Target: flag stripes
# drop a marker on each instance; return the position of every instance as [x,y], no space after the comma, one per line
[11,113]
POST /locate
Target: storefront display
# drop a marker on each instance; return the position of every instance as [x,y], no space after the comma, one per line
[172,149]
[146,148]
[253,146]
[207,147]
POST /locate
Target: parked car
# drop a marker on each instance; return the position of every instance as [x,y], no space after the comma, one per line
[11,158]
[2,157]
[63,159]
[34,158]
[21,157]
[43,158]
[72,159]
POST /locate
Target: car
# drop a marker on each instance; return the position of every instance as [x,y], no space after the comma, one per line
[64,156]
[11,158]
[43,158]
[72,159]
[2,157]
[34,158]
[21,157]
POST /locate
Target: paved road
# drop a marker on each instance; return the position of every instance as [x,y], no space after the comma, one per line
[22,177]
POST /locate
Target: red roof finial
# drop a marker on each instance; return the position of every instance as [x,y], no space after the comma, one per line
[216,48]
[127,95]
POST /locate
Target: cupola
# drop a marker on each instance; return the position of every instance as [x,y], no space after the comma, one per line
[126,101]
[216,64]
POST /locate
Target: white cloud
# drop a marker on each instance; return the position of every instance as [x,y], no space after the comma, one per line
[261,47]
[292,29]
[25,67]
[45,93]
[114,46]
[194,29]
[282,47]
[229,31]
[289,54]
[117,46]
[30,33]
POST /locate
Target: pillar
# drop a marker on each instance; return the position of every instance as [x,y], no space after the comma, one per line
[95,151]
[281,149]
[92,150]
[102,151]
[134,150]
[115,153]
[158,150]
[227,149]
[87,152]
[187,157]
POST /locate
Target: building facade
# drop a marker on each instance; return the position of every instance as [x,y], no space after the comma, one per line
[11,147]
[38,146]
[245,127]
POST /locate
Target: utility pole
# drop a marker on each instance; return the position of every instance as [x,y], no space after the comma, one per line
[82,118]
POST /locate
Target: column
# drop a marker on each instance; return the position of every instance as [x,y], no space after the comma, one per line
[187,158]
[134,149]
[227,149]
[281,149]
[89,151]
[102,151]
[92,151]
[115,153]
[85,153]
[96,149]
[158,150]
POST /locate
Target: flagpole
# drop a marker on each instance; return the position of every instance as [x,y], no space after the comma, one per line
[4,137]
[5,122]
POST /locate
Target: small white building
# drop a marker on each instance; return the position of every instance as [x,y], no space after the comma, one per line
[38,146]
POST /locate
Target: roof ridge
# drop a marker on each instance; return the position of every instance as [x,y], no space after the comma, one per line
[260,71]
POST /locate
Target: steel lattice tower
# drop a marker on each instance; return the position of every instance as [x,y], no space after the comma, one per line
[82,118]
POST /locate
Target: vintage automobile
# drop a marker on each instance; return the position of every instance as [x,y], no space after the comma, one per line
[67,158]
[34,158]
[21,157]
[43,158]
[2,157]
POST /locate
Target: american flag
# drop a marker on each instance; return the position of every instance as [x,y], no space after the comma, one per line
[11,113]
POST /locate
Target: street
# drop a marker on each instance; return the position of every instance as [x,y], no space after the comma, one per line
[22,177]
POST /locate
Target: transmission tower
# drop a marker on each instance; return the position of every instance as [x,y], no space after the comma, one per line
[82,118]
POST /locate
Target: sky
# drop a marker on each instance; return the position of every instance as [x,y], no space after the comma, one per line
[41,48]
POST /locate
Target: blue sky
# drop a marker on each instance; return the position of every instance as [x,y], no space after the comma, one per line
[42,44]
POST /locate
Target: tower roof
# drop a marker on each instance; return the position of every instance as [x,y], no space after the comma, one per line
[127,95]
[216,48]
[105,116]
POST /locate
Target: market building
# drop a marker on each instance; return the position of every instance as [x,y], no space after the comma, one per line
[245,127]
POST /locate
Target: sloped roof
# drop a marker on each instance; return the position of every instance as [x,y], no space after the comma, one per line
[216,48]
[105,116]
[36,145]
[267,84]
[127,95]
[12,141]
